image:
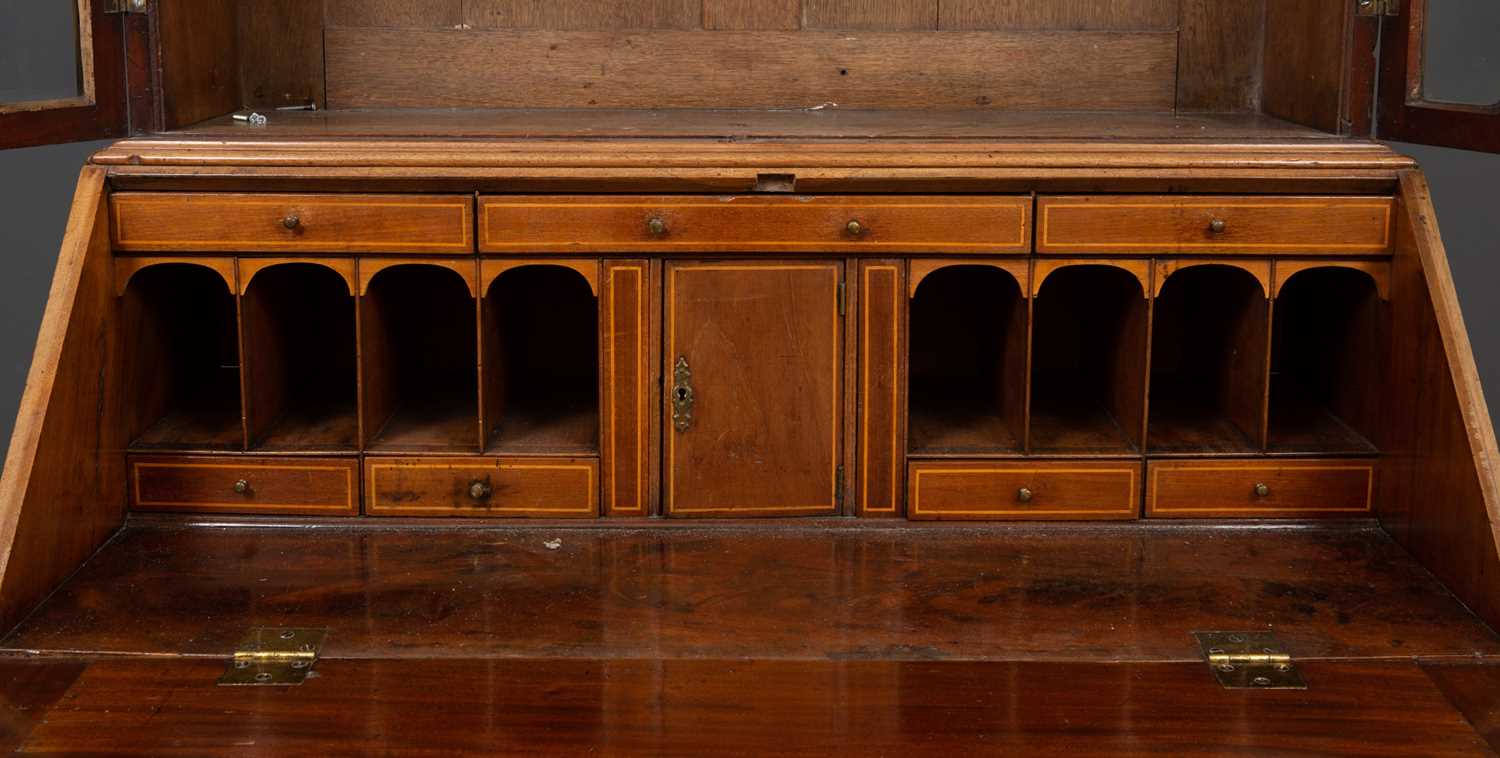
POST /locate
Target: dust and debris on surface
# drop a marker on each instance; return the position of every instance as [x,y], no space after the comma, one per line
[552,544]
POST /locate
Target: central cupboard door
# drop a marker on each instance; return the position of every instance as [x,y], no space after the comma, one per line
[754,368]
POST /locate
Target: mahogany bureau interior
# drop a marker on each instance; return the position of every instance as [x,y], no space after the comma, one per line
[786,377]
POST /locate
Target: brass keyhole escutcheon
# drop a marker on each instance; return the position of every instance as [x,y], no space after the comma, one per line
[480,489]
[682,395]
[656,226]
[292,221]
[1218,225]
[1262,490]
[1024,495]
[241,487]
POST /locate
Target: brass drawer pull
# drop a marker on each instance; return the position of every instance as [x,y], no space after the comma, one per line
[242,487]
[480,490]
[682,395]
[1024,495]
[656,226]
[1262,490]
[1218,225]
[292,221]
[855,228]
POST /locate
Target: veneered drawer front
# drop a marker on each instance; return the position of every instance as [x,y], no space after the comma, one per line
[1259,488]
[1042,490]
[304,486]
[709,224]
[475,486]
[1103,224]
[192,222]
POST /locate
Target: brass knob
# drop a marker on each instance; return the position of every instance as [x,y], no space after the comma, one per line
[855,228]
[1024,495]
[656,226]
[479,490]
[1217,226]
[291,221]
[1261,490]
[241,486]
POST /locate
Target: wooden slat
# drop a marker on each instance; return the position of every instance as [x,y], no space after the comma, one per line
[427,14]
[281,60]
[878,15]
[1304,61]
[626,382]
[373,68]
[1125,15]
[880,469]
[584,14]
[198,60]
[171,707]
[752,14]
[1219,51]
[63,490]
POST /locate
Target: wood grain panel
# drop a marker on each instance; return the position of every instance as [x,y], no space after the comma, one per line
[197,222]
[1219,51]
[882,393]
[1474,688]
[584,14]
[300,486]
[427,14]
[768,413]
[1167,224]
[1439,486]
[170,707]
[870,14]
[383,68]
[528,487]
[626,459]
[1124,15]
[1304,62]
[752,14]
[601,224]
[63,491]
[281,55]
[1227,488]
[197,57]
[1057,490]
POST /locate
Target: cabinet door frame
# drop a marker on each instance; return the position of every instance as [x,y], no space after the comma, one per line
[839,386]
[1404,113]
[100,110]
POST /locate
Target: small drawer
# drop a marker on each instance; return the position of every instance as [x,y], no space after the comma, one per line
[189,222]
[1042,490]
[473,486]
[1259,488]
[303,486]
[1104,224]
[881,225]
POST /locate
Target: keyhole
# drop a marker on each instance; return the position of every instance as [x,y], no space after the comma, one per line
[682,393]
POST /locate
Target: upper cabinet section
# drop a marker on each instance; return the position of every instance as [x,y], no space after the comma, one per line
[718,224]
[61,72]
[1440,76]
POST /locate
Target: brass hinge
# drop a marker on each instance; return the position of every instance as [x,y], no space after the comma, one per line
[126,6]
[843,297]
[1249,660]
[1377,7]
[838,487]
[270,657]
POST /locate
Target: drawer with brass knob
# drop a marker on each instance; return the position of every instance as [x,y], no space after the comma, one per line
[291,222]
[1040,490]
[245,484]
[459,486]
[1217,225]
[981,224]
[1229,488]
